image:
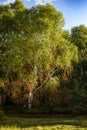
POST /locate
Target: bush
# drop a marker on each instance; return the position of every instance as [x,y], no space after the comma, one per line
[17,93]
[79,97]
[62,97]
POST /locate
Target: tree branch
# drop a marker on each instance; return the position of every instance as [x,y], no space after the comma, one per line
[36,90]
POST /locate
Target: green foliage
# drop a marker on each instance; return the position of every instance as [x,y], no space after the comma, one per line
[52,83]
[79,97]
[1,82]
[17,6]
[5,10]
[78,81]
[79,36]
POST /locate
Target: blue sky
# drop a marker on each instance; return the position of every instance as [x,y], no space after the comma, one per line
[74,11]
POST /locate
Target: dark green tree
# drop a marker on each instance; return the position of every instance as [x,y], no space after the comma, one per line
[78,80]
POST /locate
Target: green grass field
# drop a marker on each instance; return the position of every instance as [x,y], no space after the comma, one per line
[22,123]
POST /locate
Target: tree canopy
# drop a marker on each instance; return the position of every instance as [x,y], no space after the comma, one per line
[34,48]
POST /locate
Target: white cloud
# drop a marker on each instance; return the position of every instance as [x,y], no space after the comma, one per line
[43,1]
[36,1]
[7,2]
[28,0]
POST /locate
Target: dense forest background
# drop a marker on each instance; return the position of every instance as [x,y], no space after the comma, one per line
[39,58]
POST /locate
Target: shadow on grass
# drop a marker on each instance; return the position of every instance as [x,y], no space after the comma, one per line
[22,122]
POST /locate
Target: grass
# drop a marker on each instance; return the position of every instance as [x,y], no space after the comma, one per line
[18,119]
[56,127]
[21,123]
